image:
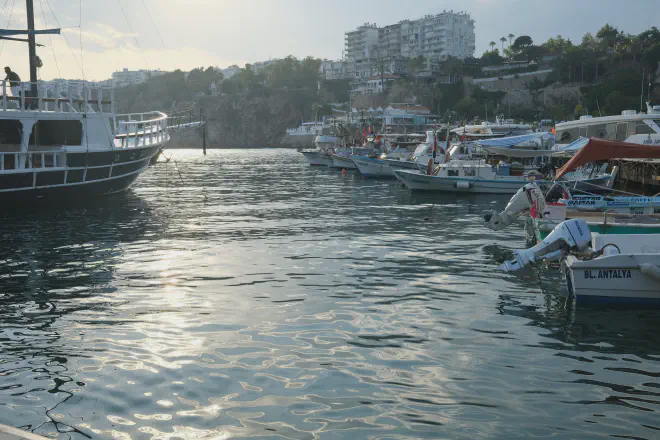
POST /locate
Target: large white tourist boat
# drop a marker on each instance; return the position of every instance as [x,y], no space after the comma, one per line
[61,147]
[629,126]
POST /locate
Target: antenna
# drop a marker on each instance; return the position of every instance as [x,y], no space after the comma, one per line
[599,113]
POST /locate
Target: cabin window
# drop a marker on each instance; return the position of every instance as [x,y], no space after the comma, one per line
[597,131]
[611,131]
[56,133]
[621,131]
[640,128]
[568,135]
[10,132]
[583,131]
[469,172]
[452,173]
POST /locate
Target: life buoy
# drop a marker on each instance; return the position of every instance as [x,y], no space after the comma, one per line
[429,168]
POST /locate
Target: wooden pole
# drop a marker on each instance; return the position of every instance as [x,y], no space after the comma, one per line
[32,45]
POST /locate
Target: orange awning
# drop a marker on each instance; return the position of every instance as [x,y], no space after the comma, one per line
[601,150]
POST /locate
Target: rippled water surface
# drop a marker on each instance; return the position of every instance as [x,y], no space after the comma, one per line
[266,299]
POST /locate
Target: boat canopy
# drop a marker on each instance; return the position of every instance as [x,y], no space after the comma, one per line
[599,149]
[512,141]
[505,146]
[570,149]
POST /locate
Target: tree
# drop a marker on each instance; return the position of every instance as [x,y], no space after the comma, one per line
[492,58]
[510,38]
[608,35]
[522,42]
[415,65]
[503,40]
[492,45]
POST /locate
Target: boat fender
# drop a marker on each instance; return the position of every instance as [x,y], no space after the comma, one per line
[429,168]
[650,270]
[463,185]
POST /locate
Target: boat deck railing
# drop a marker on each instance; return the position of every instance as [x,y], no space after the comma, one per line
[32,160]
[186,119]
[65,96]
[140,129]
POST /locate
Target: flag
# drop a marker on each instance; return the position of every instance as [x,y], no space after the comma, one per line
[364,134]
[369,129]
[554,131]
[448,144]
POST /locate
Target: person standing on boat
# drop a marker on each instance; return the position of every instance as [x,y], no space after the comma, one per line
[14,82]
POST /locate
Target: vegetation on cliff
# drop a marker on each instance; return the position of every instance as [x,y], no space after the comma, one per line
[255,106]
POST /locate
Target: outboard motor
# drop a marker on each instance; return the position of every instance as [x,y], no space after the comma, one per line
[528,197]
[571,235]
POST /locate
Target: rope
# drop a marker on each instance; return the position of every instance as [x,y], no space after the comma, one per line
[65,38]
[132,33]
[50,38]
[158,33]
[8,21]
[82,59]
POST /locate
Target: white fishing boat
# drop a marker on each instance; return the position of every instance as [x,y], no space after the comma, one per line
[469,176]
[372,166]
[318,157]
[327,142]
[343,161]
[418,160]
[599,268]
[395,147]
[465,172]
[488,130]
[61,147]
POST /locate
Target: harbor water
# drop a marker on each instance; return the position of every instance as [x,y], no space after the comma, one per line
[247,295]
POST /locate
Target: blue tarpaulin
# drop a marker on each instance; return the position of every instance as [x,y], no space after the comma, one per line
[571,149]
[515,140]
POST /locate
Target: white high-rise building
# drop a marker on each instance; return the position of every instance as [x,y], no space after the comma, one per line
[361,43]
[435,37]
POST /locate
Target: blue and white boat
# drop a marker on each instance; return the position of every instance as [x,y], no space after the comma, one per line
[469,176]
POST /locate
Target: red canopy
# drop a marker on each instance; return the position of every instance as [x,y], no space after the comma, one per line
[599,150]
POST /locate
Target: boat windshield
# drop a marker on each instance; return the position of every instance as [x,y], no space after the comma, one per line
[422,150]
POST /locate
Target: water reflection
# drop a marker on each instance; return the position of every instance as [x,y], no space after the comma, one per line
[56,272]
[262,298]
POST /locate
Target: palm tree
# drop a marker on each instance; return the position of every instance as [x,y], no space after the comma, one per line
[510,39]
[492,45]
[503,40]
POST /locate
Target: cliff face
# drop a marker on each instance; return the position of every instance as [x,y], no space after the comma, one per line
[252,120]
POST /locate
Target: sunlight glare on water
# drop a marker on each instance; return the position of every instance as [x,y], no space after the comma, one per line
[267,299]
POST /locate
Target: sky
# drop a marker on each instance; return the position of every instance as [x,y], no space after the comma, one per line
[185,34]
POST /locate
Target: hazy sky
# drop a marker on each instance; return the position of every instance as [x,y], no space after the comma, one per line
[224,32]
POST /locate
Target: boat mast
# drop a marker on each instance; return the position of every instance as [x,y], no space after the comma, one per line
[32,45]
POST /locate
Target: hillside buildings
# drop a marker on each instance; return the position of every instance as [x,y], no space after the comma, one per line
[127,77]
[371,50]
